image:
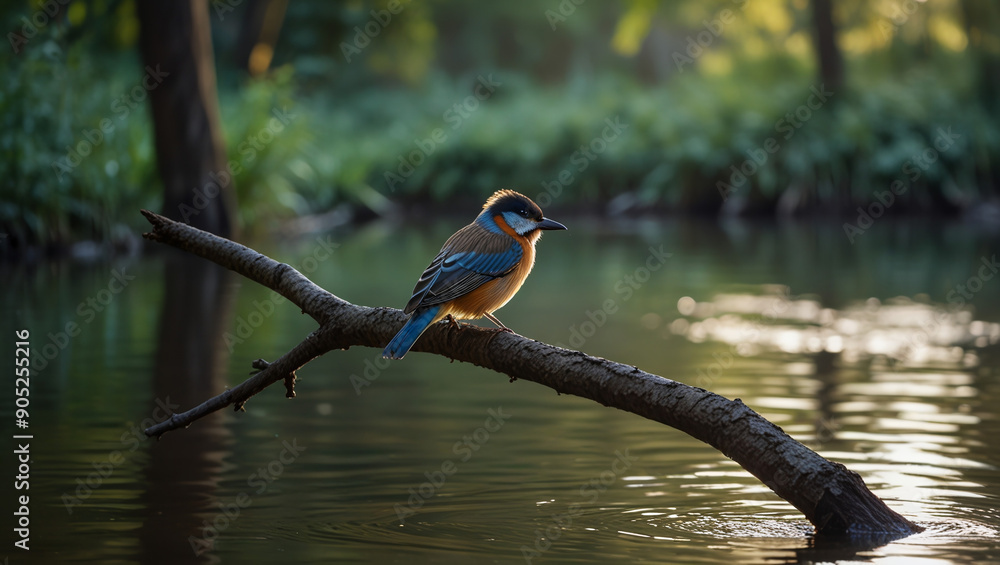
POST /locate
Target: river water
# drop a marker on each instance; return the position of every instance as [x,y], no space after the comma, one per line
[881,354]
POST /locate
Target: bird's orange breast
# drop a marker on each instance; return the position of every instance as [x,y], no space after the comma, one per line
[494,294]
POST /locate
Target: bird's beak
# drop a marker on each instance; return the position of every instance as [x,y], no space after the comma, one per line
[547,224]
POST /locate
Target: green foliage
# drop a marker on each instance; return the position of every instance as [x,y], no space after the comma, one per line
[71,163]
[682,138]
[274,171]
[399,120]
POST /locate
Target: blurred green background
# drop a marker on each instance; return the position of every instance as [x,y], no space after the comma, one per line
[632,122]
[384,111]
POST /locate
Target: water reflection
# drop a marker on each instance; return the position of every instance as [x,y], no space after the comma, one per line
[918,420]
[899,331]
[894,385]
[184,470]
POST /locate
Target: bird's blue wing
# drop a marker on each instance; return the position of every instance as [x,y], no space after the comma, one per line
[455,273]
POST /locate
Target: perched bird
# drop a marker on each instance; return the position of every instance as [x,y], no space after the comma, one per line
[478,269]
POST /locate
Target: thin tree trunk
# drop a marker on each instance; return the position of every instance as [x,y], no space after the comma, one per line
[981,19]
[982,27]
[831,61]
[258,35]
[833,498]
[176,47]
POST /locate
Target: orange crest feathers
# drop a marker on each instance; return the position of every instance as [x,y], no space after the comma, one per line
[503,193]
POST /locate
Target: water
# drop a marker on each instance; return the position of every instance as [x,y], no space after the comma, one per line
[429,461]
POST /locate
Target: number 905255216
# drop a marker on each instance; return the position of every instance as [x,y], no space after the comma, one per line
[22,377]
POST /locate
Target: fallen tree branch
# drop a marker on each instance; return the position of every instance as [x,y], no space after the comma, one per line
[834,499]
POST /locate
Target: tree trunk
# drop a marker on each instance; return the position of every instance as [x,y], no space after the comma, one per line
[833,498]
[982,18]
[831,61]
[258,35]
[176,47]
[982,27]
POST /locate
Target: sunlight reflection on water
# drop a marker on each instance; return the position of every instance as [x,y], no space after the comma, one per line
[895,382]
[915,416]
[899,331]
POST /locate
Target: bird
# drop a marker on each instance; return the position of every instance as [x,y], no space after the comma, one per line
[478,270]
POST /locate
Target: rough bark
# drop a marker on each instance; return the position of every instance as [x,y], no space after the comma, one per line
[834,499]
[176,46]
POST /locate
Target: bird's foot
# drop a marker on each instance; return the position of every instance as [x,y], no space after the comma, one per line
[452,322]
[496,321]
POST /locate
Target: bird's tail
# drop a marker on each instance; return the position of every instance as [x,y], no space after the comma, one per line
[404,340]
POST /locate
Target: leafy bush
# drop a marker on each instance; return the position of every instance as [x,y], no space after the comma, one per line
[370,143]
[681,140]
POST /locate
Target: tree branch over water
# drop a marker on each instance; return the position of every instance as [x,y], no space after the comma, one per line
[834,499]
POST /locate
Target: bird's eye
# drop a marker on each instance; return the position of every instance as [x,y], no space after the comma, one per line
[523,212]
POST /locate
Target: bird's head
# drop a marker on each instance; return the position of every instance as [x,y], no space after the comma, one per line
[518,212]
